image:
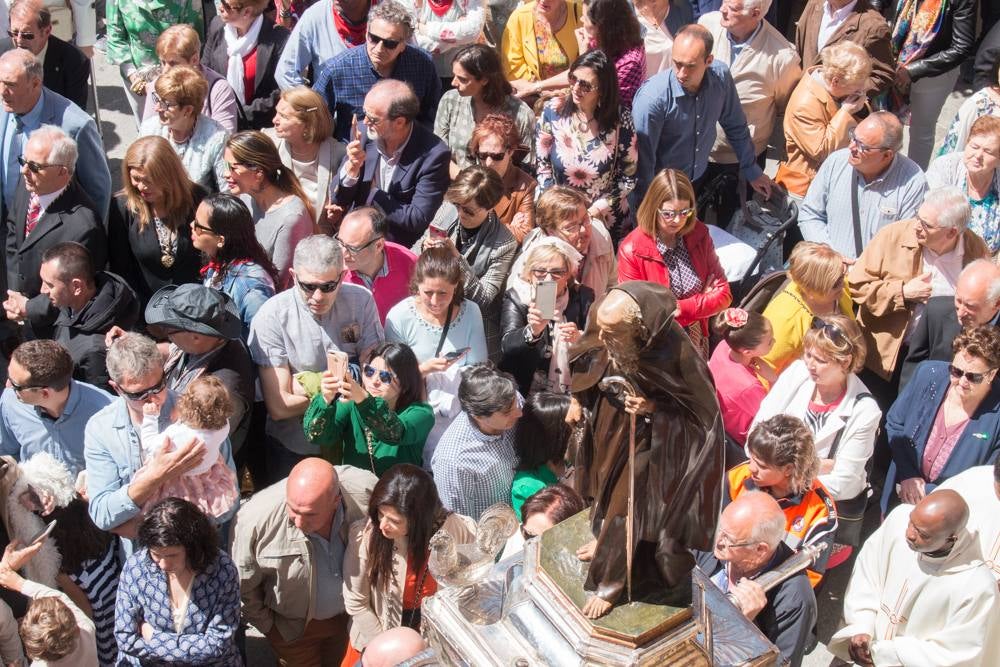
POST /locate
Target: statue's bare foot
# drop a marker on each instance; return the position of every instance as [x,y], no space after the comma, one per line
[595,607]
[586,552]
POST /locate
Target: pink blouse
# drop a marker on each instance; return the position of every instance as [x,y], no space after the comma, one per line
[631,70]
[739,390]
[940,443]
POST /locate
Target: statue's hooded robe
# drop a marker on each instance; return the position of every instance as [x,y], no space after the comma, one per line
[679,454]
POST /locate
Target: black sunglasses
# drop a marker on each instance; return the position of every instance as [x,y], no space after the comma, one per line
[202,228]
[385,377]
[15,34]
[389,43]
[143,394]
[34,167]
[325,288]
[832,330]
[355,249]
[482,156]
[973,378]
[18,388]
[585,86]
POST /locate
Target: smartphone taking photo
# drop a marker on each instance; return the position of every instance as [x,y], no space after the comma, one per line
[545,298]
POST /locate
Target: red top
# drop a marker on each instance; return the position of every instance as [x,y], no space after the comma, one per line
[249,75]
[417,577]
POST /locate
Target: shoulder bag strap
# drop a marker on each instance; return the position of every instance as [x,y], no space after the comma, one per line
[444,333]
[836,441]
[855,214]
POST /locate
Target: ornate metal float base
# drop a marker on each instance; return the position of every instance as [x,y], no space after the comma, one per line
[527,612]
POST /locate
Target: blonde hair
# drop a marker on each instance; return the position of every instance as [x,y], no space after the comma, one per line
[815,267]
[48,630]
[838,338]
[185,85]
[847,61]
[181,40]
[311,110]
[540,253]
[667,185]
[205,404]
[161,165]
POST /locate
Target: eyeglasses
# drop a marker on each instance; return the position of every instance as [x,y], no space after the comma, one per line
[862,147]
[525,534]
[482,156]
[724,543]
[468,211]
[555,273]
[389,43]
[955,372]
[355,249]
[18,388]
[369,119]
[927,227]
[143,394]
[575,228]
[160,103]
[832,330]
[325,288]
[34,167]
[20,34]
[585,86]
[385,377]
[226,6]
[667,214]
[202,228]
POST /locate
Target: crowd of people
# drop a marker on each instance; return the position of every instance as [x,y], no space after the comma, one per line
[364,255]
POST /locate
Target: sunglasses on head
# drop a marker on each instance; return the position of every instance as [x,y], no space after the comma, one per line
[973,378]
[34,167]
[832,330]
[325,288]
[143,394]
[385,377]
[389,43]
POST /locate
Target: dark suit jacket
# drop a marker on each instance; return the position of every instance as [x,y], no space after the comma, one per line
[416,191]
[67,70]
[259,113]
[932,337]
[908,425]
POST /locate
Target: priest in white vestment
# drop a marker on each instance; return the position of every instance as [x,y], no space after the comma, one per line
[920,594]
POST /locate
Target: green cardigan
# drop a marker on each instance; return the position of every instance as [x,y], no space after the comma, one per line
[339,430]
[527,483]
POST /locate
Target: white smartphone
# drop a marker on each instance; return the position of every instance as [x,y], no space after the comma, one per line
[43,533]
[545,298]
[336,363]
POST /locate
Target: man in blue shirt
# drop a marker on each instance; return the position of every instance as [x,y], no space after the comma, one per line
[43,409]
[676,113]
[346,78]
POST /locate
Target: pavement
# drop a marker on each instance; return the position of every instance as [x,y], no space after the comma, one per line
[119,131]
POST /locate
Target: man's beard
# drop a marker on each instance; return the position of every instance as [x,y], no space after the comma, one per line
[624,355]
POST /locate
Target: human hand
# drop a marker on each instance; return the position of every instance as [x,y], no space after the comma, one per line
[536,323]
[852,104]
[350,390]
[355,151]
[749,596]
[569,332]
[520,224]
[763,184]
[435,365]
[918,288]
[524,88]
[638,405]
[329,387]
[146,630]
[334,213]
[150,408]
[113,334]
[137,84]
[440,242]
[16,306]
[912,490]
[171,462]
[860,649]
[16,555]
[902,78]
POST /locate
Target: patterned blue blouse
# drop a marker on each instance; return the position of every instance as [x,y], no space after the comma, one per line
[212,617]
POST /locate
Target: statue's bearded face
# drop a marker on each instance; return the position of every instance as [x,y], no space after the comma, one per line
[621,332]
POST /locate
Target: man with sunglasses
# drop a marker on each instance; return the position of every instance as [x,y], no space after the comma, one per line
[67,69]
[860,189]
[26,106]
[748,543]
[291,334]
[382,266]
[119,481]
[394,163]
[345,79]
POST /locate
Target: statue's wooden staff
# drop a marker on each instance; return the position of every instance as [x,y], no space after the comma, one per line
[617,383]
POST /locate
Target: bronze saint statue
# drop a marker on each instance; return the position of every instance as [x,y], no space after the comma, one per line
[662,388]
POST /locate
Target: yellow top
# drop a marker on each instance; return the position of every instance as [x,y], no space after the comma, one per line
[519,50]
[791,319]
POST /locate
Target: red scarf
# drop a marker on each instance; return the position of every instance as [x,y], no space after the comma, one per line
[218,267]
[352,34]
[440,8]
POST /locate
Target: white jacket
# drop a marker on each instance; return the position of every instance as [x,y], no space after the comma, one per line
[856,421]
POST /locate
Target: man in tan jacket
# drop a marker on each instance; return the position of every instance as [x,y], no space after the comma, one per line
[288,544]
[905,264]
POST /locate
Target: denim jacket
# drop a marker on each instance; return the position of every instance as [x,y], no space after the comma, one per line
[248,284]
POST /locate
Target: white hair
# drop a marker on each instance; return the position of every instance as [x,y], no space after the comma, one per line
[762,5]
[318,253]
[951,204]
[768,529]
[63,149]
[133,356]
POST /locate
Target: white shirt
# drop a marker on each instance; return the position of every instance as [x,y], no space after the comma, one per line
[831,21]
[944,270]
[44,201]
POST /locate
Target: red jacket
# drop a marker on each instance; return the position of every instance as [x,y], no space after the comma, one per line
[638,259]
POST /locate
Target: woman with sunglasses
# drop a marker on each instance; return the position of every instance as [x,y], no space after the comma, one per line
[480,90]
[815,289]
[386,574]
[670,246]
[587,140]
[148,243]
[823,390]
[535,349]
[469,229]
[280,208]
[493,143]
[378,423]
[946,420]
[236,262]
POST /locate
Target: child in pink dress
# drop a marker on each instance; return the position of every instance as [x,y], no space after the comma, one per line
[202,412]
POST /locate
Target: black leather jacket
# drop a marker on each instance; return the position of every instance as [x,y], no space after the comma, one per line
[955,42]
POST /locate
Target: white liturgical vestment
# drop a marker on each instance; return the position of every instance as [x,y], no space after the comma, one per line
[919,611]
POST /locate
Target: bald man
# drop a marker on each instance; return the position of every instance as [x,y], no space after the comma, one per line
[920,593]
[976,302]
[749,543]
[288,544]
[394,163]
[394,647]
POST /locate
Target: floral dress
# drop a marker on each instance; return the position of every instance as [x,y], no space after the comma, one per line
[603,167]
[982,103]
[135,25]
